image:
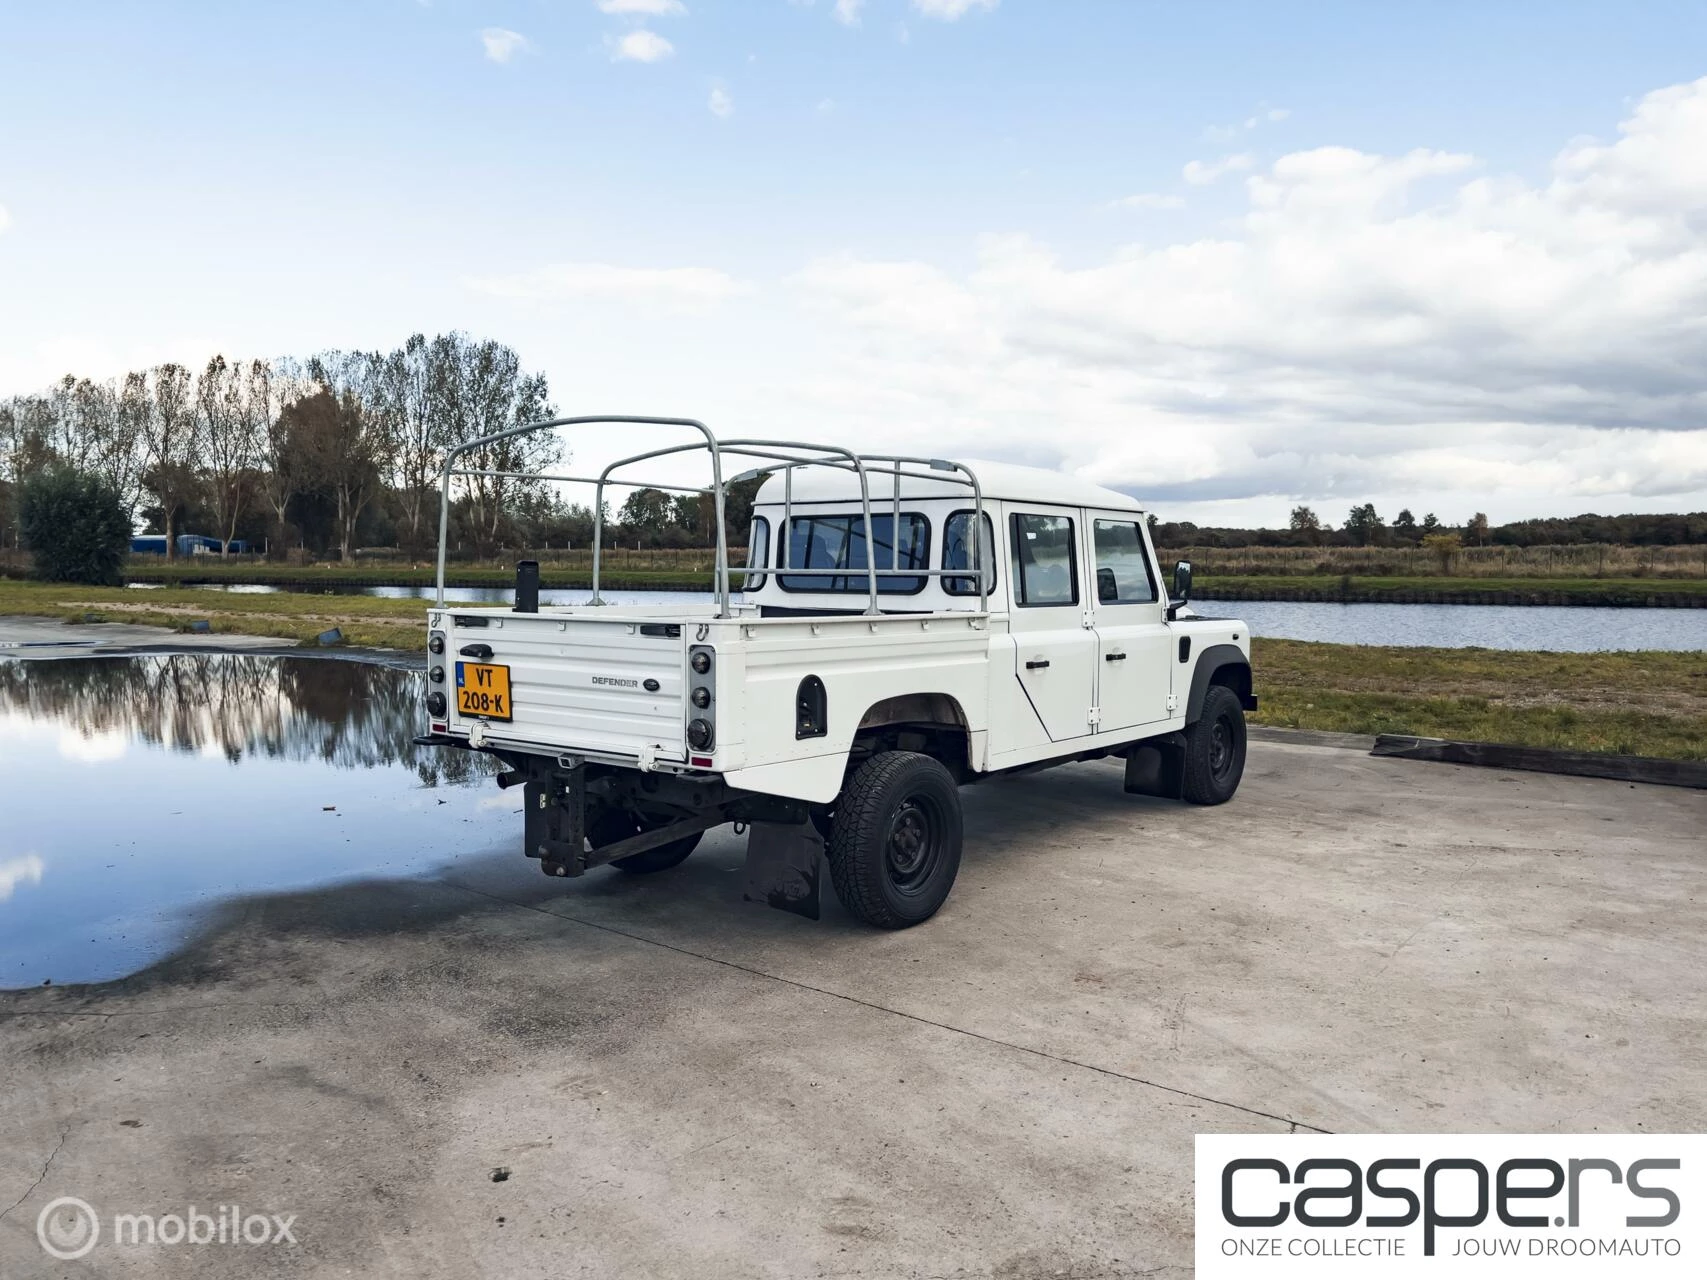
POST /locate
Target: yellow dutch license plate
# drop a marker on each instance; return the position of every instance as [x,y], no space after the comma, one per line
[483,689]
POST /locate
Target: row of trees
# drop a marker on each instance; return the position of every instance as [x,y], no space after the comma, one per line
[1365,527]
[277,448]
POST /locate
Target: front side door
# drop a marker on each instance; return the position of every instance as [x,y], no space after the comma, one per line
[1054,650]
[1135,657]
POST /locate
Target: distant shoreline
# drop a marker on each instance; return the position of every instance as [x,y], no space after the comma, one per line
[1627,593]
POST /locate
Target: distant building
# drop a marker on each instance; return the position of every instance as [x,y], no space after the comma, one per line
[189,544]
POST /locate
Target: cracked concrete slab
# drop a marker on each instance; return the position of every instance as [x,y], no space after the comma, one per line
[675,1082]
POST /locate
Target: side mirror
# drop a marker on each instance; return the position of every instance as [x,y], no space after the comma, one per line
[1182,588]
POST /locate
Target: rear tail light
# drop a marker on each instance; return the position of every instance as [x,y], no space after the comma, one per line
[702,729]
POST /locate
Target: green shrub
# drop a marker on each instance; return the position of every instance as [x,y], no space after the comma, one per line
[76,527]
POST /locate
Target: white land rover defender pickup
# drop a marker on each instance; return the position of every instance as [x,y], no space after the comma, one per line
[906,626]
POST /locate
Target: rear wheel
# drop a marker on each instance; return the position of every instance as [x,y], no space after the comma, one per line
[618,824]
[1215,748]
[895,842]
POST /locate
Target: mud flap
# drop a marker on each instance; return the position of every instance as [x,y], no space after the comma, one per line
[554,824]
[1156,767]
[783,865]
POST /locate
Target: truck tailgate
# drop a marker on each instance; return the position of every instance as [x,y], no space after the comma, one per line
[580,684]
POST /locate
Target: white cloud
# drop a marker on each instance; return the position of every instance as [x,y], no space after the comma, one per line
[1149,200]
[847,12]
[5,218]
[645,8]
[949,10]
[641,46]
[1371,325]
[16,871]
[826,105]
[1201,173]
[678,286]
[1227,132]
[503,44]
[721,104]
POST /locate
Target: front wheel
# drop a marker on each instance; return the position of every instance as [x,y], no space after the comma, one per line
[1215,748]
[895,841]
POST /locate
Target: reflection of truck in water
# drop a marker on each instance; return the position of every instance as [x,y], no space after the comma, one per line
[188,544]
[906,626]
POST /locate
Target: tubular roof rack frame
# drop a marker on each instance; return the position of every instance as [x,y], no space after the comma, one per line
[785,456]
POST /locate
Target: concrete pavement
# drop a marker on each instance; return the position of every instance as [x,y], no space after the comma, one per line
[673,1082]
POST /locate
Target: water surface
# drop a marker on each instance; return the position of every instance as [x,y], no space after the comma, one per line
[1556,628]
[142,791]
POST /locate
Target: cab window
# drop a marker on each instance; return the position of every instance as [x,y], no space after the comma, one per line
[1046,569]
[758,553]
[1124,575]
[838,542]
[957,554]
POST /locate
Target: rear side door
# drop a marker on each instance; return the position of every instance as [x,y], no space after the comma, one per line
[1135,658]
[1055,651]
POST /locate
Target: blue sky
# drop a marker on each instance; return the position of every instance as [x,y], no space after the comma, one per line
[1184,249]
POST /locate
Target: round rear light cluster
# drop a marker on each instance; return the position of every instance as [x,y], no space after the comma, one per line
[436,703]
[699,734]
[700,662]
[436,644]
[701,697]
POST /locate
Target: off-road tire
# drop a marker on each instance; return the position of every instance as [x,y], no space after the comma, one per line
[1215,748]
[618,824]
[894,846]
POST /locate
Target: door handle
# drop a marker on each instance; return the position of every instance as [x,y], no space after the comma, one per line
[477,651]
[1036,663]
[1114,657]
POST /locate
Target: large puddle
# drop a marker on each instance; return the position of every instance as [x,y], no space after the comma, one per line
[139,792]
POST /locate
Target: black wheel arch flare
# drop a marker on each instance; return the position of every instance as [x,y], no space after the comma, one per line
[1217,658]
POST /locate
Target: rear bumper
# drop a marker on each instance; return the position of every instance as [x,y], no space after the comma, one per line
[566,757]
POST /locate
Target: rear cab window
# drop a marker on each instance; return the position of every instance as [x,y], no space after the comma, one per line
[838,542]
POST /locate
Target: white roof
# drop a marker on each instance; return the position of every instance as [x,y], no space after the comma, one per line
[997,480]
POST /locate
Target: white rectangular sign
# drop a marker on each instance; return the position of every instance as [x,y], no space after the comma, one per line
[1416,1205]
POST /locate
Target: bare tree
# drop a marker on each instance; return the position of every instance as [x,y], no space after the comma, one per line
[258,403]
[170,446]
[68,443]
[412,378]
[25,425]
[226,441]
[122,452]
[281,467]
[481,391]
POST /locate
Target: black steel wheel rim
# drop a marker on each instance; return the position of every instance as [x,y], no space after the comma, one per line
[1221,749]
[914,843]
